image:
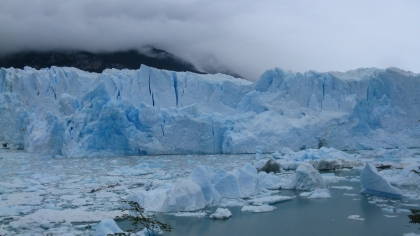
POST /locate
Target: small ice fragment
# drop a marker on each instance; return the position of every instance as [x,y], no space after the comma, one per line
[15,224]
[355,217]
[269,199]
[319,193]
[258,209]
[403,211]
[342,187]
[388,209]
[221,213]
[354,180]
[191,214]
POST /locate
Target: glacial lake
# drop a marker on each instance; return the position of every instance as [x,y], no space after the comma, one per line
[81,186]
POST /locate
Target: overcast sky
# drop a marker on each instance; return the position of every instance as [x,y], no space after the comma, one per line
[247,36]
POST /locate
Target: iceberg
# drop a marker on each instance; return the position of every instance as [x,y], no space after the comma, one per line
[307,179]
[202,177]
[375,184]
[269,181]
[200,189]
[106,227]
[71,113]
[259,209]
[184,195]
[239,183]
[221,213]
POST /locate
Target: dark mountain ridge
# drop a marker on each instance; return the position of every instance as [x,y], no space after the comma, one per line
[97,62]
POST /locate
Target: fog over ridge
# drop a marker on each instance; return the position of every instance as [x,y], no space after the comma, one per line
[246,36]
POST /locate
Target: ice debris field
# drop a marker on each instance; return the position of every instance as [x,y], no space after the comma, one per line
[74,144]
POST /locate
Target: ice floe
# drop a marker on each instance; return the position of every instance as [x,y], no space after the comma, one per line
[221,213]
[259,209]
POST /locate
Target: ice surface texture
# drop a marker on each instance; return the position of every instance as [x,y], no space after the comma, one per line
[374,184]
[68,112]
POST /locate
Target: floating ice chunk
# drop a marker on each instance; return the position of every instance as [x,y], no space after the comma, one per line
[70,197]
[332,178]
[14,210]
[289,165]
[342,187]
[276,155]
[239,183]
[307,178]
[269,200]
[68,215]
[355,217]
[269,181]
[350,194]
[258,209]
[354,180]
[184,195]
[201,176]
[388,209]
[221,213]
[318,193]
[407,176]
[3,231]
[375,184]
[106,227]
[219,174]
[105,194]
[45,224]
[403,211]
[259,164]
[411,234]
[191,214]
[15,224]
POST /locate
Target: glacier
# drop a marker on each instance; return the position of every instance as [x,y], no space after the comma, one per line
[71,113]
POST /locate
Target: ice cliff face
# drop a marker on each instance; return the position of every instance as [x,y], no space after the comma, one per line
[69,112]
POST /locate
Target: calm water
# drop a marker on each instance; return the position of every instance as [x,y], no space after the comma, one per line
[303,216]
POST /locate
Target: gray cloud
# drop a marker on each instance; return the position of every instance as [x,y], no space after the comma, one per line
[246,36]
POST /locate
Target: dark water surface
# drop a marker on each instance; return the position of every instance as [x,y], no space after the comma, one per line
[303,216]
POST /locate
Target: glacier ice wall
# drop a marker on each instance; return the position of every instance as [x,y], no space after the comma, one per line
[65,111]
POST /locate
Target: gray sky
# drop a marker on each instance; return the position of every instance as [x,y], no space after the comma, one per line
[247,36]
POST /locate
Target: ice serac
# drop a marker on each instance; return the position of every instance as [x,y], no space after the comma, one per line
[374,184]
[68,112]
